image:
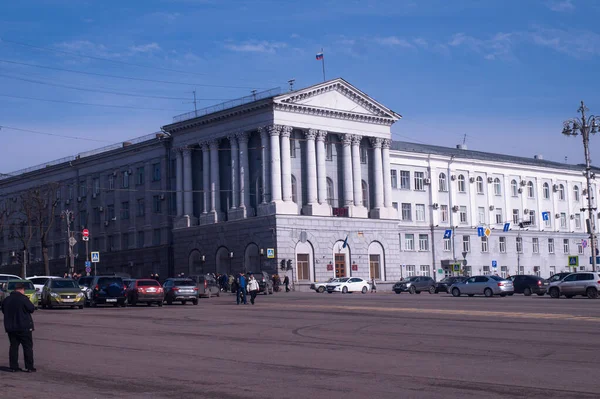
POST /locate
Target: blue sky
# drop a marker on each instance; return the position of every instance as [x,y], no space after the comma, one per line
[506,73]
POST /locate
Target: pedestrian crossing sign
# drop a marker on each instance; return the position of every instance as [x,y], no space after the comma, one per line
[573,261]
[95,257]
[270,253]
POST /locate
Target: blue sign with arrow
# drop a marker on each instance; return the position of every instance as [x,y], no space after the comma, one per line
[506,227]
[494,263]
[545,216]
[447,234]
[480,232]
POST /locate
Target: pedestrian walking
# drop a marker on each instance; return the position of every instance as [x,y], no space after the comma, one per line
[241,290]
[18,324]
[373,286]
[253,288]
[231,281]
[286,282]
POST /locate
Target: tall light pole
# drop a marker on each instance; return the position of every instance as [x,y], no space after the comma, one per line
[585,127]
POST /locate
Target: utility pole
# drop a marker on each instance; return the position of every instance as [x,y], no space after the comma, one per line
[68,216]
[584,126]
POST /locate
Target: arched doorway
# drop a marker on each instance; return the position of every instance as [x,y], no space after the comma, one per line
[304,262]
[223,261]
[252,259]
[376,261]
[341,259]
[195,264]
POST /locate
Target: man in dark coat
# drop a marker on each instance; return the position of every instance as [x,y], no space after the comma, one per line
[18,323]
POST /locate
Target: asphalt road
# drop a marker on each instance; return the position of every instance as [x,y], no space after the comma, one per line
[299,345]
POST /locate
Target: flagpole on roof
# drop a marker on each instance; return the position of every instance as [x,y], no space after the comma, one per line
[323,63]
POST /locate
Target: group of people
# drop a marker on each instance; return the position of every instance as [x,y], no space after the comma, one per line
[245,285]
[74,276]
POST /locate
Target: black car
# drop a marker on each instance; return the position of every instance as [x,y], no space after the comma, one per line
[415,285]
[444,284]
[207,285]
[265,283]
[527,285]
[107,290]
[180,290]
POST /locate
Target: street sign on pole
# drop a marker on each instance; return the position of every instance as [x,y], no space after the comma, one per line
[85,238]
[440,271]
[95,257]
[480,232]
[584,243]
[494,263]
[88,269]
[72,241]
[270,253]
[574,261]
[447,234]
[85,233]
[506,227]
[545,216]
[487,232]
[88,263]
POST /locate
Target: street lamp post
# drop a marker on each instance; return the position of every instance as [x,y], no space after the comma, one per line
[585,127]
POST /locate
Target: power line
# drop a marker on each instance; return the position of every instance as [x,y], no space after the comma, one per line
[127,77]
[51,134]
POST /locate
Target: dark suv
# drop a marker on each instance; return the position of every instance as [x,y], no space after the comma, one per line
[108,290]
[180,290]
[528,285]
[444,284]
[415,285]
[265,283]
[207,285]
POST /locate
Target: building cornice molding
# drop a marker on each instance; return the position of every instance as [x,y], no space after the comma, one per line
[333,113]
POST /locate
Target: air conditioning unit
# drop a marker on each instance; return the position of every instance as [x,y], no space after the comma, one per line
[129,171]
[572,217]
[67,202]
[453,177]
[520,190]
[115,174]
[523,183]
[435,206]
[472,179]
[427,180]
[455,208]
[94,195]
[490,180]
[101,209]
[492,207]
[161,197]
[557,216]
[114,219]
[78,199]
[106,223]
[555,187]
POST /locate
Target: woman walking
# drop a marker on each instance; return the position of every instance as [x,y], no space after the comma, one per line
[253,288]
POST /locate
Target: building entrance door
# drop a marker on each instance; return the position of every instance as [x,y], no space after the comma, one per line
[340,265]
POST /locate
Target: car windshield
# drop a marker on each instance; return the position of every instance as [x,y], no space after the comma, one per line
[147,283]
[410,279]
[557,277]
[64,284]
[6,278]
[106,281]
[27,284]
[39,280]
[343,280]
[496,278]
[184,283]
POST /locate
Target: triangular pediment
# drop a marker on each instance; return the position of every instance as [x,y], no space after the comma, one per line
[337,95]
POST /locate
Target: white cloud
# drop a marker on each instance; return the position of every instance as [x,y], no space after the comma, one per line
[498,46]
[561,6]
[263,46]
[145,48]
[392,41]
[578,44]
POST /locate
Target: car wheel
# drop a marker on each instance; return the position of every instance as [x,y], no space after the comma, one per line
[398,292]
[554,293]
[592,293]
[432,290]
[169,301]
[159,304]
[470,295]
[321,290]
[344,290]
[183,302]
[364,290]
[412,289]
[148,303]
[195,301]
[80,307]
[488,292]
[541,294]
[527,291]
[455,292]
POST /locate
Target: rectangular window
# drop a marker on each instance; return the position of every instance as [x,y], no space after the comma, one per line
[96,211]
[82,189]
[303,267]
[125,241]
[423,242]
[532,218]
[406,212]
[363,155]
[156,204]
[409,242]
[444,213]
[425,270]
[141,207]
[499,216]
[156,237]
[486,270]
[140,177]
[96,186]
[83,218]
[466,241]
[125,210]
[410,270]
[536,271]
[566,245]
[420,212]
[328,148]
[125,183]
[110,212]
[405,179]
[374,266]
[519,244]
[111,182]
[550,245]
[503,271]
[447,245]
[515,216]
[463,215]
[535,242]
[521,270]
[578,221]
[141,239]
[70,192]
[552,270]
[395,205]
[110,243]
[481,215]
[293,152]
[419,181]
[484,244]
[394,175]
[467,270]
[563,220]
[580,249]
[547,222]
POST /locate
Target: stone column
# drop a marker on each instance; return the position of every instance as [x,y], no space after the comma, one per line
[274,132]
[356,172]
[215,187]
[311,167]
[347,159]
[234,171]
[188,199]
[244,170]
[321,173]
[266,165]
[377,171]
[387,178]
[205,176]
[178,181]
[286,164]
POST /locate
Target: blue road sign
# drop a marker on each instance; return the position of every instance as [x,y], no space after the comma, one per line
[597,260]
[95,257]
[480,232]
[506,227]
[545,216]
[88,263]
[494,263]
[447,234]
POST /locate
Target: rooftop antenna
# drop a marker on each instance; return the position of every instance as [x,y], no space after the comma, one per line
[195,102]
[291,83]
[465,139]
[253,94]
[566,159]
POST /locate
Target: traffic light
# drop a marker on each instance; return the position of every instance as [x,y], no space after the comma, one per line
[289,264]
[282,264]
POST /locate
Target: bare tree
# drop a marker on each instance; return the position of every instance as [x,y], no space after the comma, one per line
[23,225]
[45,202]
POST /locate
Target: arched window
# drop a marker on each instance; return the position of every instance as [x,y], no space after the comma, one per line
[365,194]
[461,184]
[561,192]
[514,188]
[497,187]
[442,179]
[576,193]
[479,185]
[294,189]
[546,188]
[329,191]
[530,192]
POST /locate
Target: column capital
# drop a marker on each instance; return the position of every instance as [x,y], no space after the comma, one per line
[232,139]
[376,142]
[186,151]
[286,131]
[274,130]
[176,151]
[386,143]
[242,137]
[356,139]
[321,135]
[346,139]
[214,144]
[204,145]
[311,134]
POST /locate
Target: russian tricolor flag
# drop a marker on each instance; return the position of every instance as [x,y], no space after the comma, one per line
[319,56]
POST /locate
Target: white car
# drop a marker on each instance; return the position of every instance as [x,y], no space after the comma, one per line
[322,287]
[38,283]
[5,277]
[348,284]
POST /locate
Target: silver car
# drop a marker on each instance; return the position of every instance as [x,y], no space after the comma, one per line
[586,284]
[483,285]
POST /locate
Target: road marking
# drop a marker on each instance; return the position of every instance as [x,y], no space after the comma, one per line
[481,313]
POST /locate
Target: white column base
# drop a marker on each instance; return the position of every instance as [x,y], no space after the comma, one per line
[278,207]
[265,209]
[316,209]
[212,217]
[358,212]
[239,213]
[383,213]
[185,221]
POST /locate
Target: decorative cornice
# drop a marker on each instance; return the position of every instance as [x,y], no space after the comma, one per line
[376,142]
[311,134]
[333,113]
[286,131]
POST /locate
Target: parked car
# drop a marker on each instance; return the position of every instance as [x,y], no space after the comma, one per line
[348,284]
[107,290]
[586,284]
[527,285]
[144,290]
[9,286]
[558,277]
[5,277]
[61,292]
[180,290]
[265,283]
[483,285]
[415,285]
[207,285]
[444,284]
[322,287]
[39,282]
[85,285]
